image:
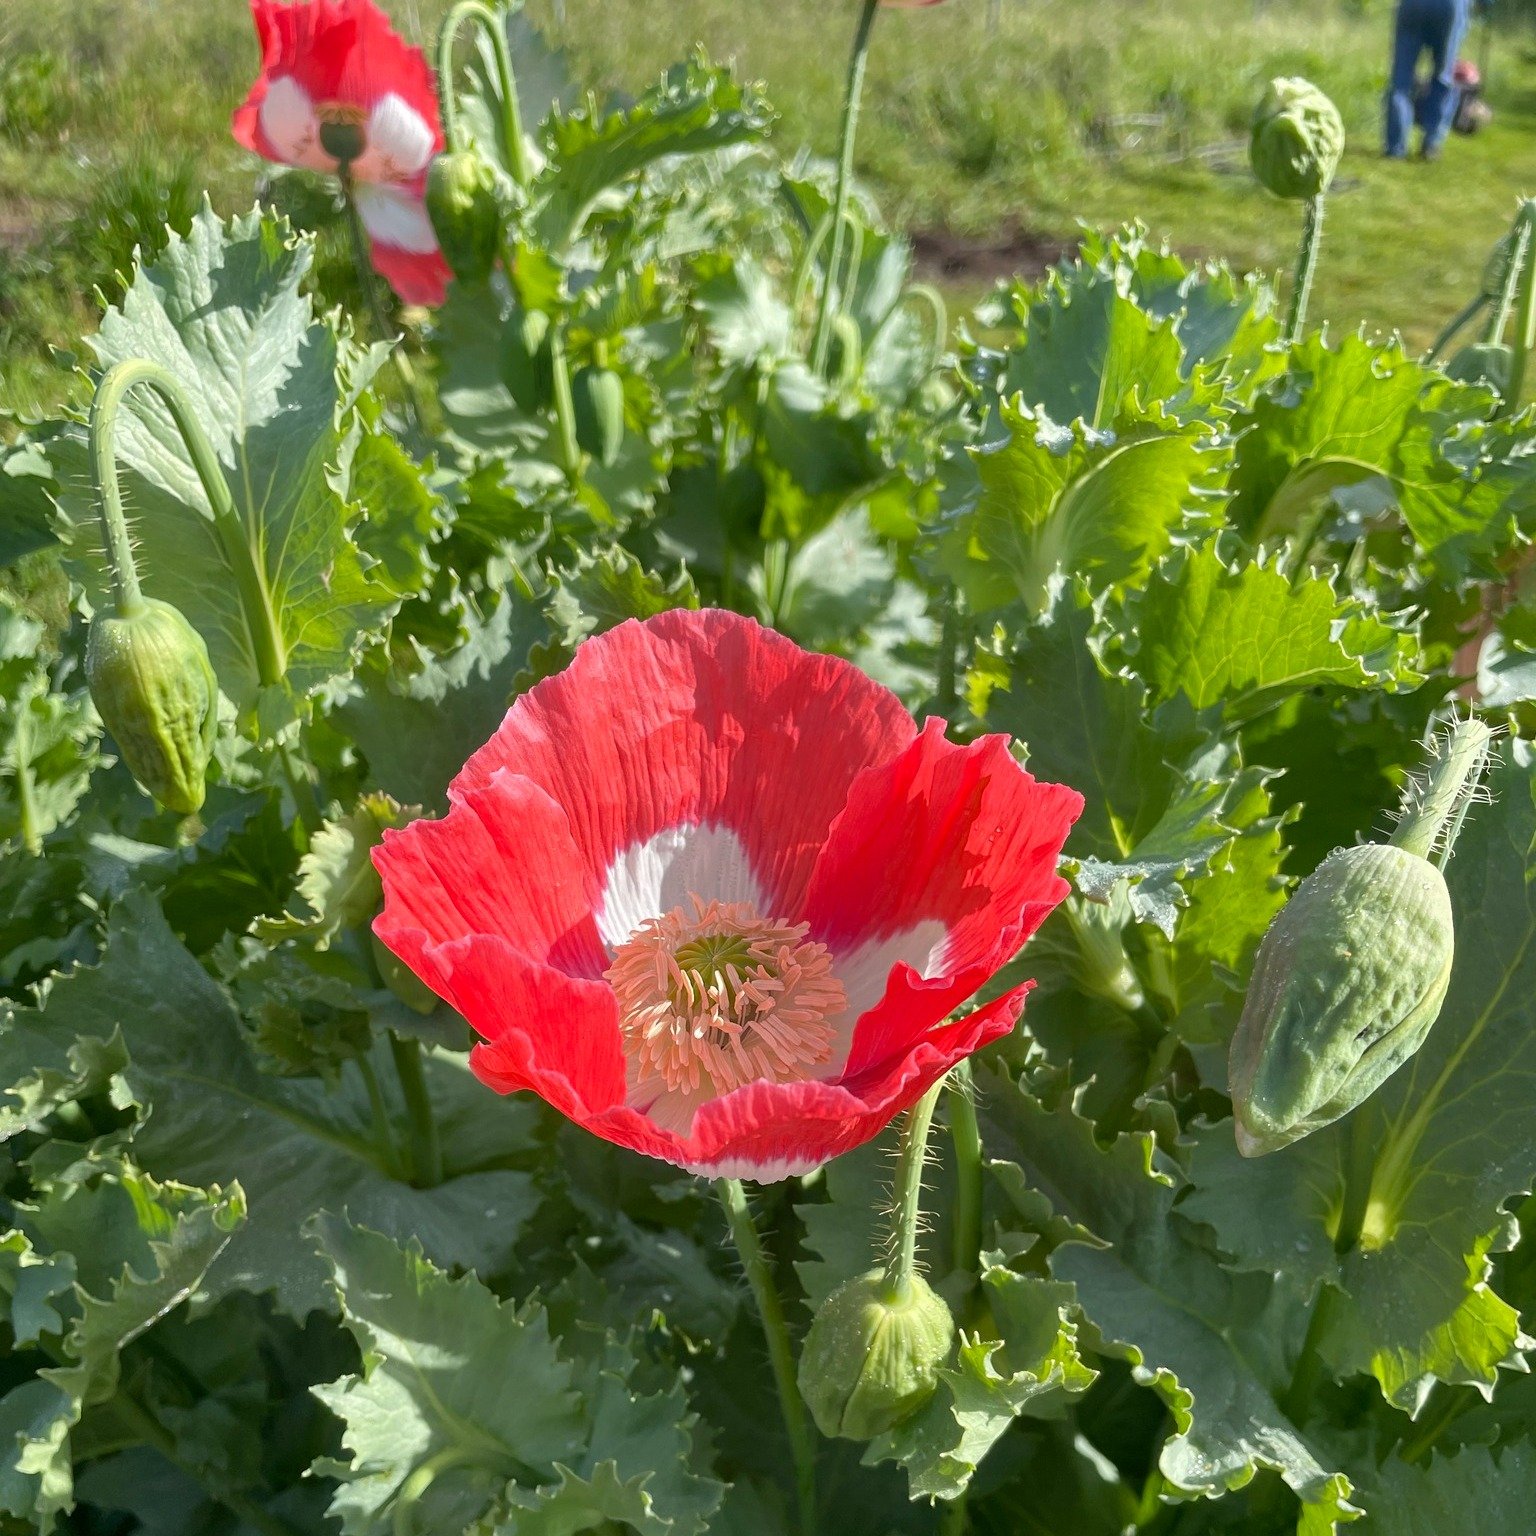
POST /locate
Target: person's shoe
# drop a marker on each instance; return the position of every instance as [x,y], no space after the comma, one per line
[1430,153]
[1394,154]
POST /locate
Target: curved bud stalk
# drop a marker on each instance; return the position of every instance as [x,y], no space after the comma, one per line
[874,1349]
[147,667]
[1353,971]
[1520,287]
[1297,141]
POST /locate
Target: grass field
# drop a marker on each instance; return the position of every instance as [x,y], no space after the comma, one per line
[989,146]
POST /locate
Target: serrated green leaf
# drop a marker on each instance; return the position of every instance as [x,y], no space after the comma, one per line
[1060,501]
[692,108]
[460,1394]
[1244,638]
[1473,1493]
[1204,1339]
[211,1118]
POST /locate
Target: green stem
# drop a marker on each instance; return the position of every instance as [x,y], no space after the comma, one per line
[1453,1402]
[956,1519]
[1306,269]
[822,337]
[426,1149]
[1525,329]
[235,540]
[1509,289]
[153,1433]
[908,1193]
[1461,318]
[946,696]
[511,111]
[1434,809]
[965,1133]
[379,1115]
[26,798]
[781,1356]
[565,404]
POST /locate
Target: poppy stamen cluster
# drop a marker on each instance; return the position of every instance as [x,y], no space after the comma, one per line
[722,997]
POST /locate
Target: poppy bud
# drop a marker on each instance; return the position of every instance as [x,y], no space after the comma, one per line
[1298,139]
[1348,981]
[466,215]
[598,395]
[869,1361]
[154,688]
[527,360]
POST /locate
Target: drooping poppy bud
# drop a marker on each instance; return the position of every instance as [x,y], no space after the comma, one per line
[1354,969]
[871,1360]
[155,690]
[465,212]
[598,396]
[1298,139]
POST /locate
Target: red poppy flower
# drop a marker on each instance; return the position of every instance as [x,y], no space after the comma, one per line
[339,89]
[714,897]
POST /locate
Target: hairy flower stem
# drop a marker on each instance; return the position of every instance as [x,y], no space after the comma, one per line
[426,1149]
[908,1194]
[965,1133]
[1306,269]
[1432,812]
[565,404]
[236,541]
[1525,324]
[822,337]
[511,112]
[378,1115]
[383,330]
[780,1354]
[1509,289]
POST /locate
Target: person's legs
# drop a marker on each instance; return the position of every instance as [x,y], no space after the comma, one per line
[1447,31]
[1407,44]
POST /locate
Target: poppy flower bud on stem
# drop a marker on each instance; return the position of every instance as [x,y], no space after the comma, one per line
[147,667]
[1295,148]
[873,1352]
[1353,971]
[465,212]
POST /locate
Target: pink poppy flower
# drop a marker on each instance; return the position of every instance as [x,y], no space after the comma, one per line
[340,90]
[714,897]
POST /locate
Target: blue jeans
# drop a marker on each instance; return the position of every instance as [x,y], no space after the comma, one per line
[1435,27]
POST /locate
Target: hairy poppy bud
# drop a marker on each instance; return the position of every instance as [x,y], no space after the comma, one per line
[1298,139]
[870,1361]
[847,354]
[598,395]
[154,688]
[527,360]
[1348,980]
[466,216]
[1354,968]
[1483,362]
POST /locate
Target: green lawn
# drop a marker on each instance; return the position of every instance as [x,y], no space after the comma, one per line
[990,146]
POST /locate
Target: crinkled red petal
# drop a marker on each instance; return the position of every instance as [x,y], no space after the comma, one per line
[417,277]
[705,719]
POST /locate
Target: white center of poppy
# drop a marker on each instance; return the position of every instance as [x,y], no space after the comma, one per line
[718,996]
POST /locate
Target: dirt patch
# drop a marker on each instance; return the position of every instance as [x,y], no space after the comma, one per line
[18,225]
[942,254]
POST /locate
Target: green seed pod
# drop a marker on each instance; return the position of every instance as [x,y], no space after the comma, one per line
[154,688]
[598,395]
[868,1362]
[1298,139]
[1353,970]
[1348,980]
[527,360]
[1483,362]
[465,212]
